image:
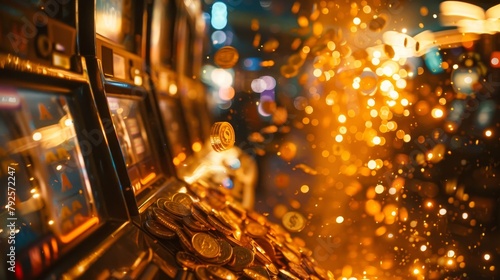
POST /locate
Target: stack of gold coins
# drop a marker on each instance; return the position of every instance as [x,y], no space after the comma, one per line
[222,136]
[219,239]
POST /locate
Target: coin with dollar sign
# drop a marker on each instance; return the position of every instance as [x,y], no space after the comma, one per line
[222,136]
[293,221]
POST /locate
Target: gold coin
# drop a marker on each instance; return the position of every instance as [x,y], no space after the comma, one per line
[158,229]
[255,229]
[176,208]
[226,252]
[226,57]
[205,245]
[256,273]
[222,136]
[242,257]
[183,198]
[298,270]
[294,221]
[164,218]
[287,275]
[187,260]
[219,272]
[290,256]
[272,269]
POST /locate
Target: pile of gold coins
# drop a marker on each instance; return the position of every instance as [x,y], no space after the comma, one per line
[219,239]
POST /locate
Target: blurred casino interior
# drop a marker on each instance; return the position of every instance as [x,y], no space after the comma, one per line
[250,139]
[376,120]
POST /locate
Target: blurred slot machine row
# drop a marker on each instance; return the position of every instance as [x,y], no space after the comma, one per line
[106,168]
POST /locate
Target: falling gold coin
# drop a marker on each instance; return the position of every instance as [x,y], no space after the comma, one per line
[289,71]
[294,221]
[226,57]
[222,136]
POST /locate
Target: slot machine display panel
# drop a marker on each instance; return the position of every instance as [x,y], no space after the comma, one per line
[127,117]
[52,202]
[164,77]
[53,147]
[67,197]
[114,51]
[173,121]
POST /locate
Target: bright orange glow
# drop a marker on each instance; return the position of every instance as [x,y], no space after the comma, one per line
[196,147]
[79,230]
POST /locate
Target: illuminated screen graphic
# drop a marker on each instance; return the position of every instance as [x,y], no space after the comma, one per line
[131,132]
[115,21]
[51,196]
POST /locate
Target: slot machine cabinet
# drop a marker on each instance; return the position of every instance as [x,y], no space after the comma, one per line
[121,88]
[62,205]
[232,168]
[188,48]
[111,40]
[161,61]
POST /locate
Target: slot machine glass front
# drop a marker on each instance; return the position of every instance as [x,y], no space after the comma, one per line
[50,201]
[131,132]
[163,64]
[119,30]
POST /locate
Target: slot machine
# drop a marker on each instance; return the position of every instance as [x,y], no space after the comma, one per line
[114,53]
[63,210]
[161,60]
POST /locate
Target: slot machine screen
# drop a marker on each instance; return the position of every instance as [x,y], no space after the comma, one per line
[48,200]
[133,139]
[175,127]
[116,20]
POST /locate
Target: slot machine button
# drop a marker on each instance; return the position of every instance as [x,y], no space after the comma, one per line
[136,75]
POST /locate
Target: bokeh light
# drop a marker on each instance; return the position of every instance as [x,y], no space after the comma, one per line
[389,141]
